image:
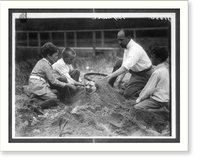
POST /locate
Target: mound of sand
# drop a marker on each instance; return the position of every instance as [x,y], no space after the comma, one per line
[101,113]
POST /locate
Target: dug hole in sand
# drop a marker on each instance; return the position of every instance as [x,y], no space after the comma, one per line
[100,113]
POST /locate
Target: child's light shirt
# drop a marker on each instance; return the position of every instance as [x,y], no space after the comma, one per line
[157,86]
[63,69]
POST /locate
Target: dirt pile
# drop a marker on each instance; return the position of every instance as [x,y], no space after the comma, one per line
[103,96]
[101,113]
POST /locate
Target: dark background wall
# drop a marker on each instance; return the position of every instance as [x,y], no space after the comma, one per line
[88,24]
[80,31]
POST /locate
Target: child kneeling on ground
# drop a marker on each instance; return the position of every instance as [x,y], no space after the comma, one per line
[155,94]
[64,71]
[42,77]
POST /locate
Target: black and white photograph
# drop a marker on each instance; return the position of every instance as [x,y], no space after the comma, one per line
[95,75]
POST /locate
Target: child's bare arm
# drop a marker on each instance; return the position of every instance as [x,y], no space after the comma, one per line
[78,83]
[70,86]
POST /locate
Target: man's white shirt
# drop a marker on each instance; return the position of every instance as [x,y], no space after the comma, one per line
[135,58]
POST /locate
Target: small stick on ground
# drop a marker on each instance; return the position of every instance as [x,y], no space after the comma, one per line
[60,124]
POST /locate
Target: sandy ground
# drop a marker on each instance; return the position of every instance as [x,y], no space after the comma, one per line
[101,113]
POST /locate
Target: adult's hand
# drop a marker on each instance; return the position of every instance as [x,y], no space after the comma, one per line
[107,78]
[119,84]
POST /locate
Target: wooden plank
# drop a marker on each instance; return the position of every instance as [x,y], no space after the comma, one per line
[50,36]
[75,39]
[27,38]
[102,38]
[134,35]
[39,39]
[65,39]
[94,42]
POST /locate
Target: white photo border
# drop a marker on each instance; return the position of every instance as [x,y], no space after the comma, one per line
[176,48]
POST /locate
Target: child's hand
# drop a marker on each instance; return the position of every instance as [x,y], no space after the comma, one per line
[138,100]
[79,84]
[62,79]
[107,78]
[71,86]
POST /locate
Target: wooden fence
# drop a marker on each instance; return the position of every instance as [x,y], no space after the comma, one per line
[104,39]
